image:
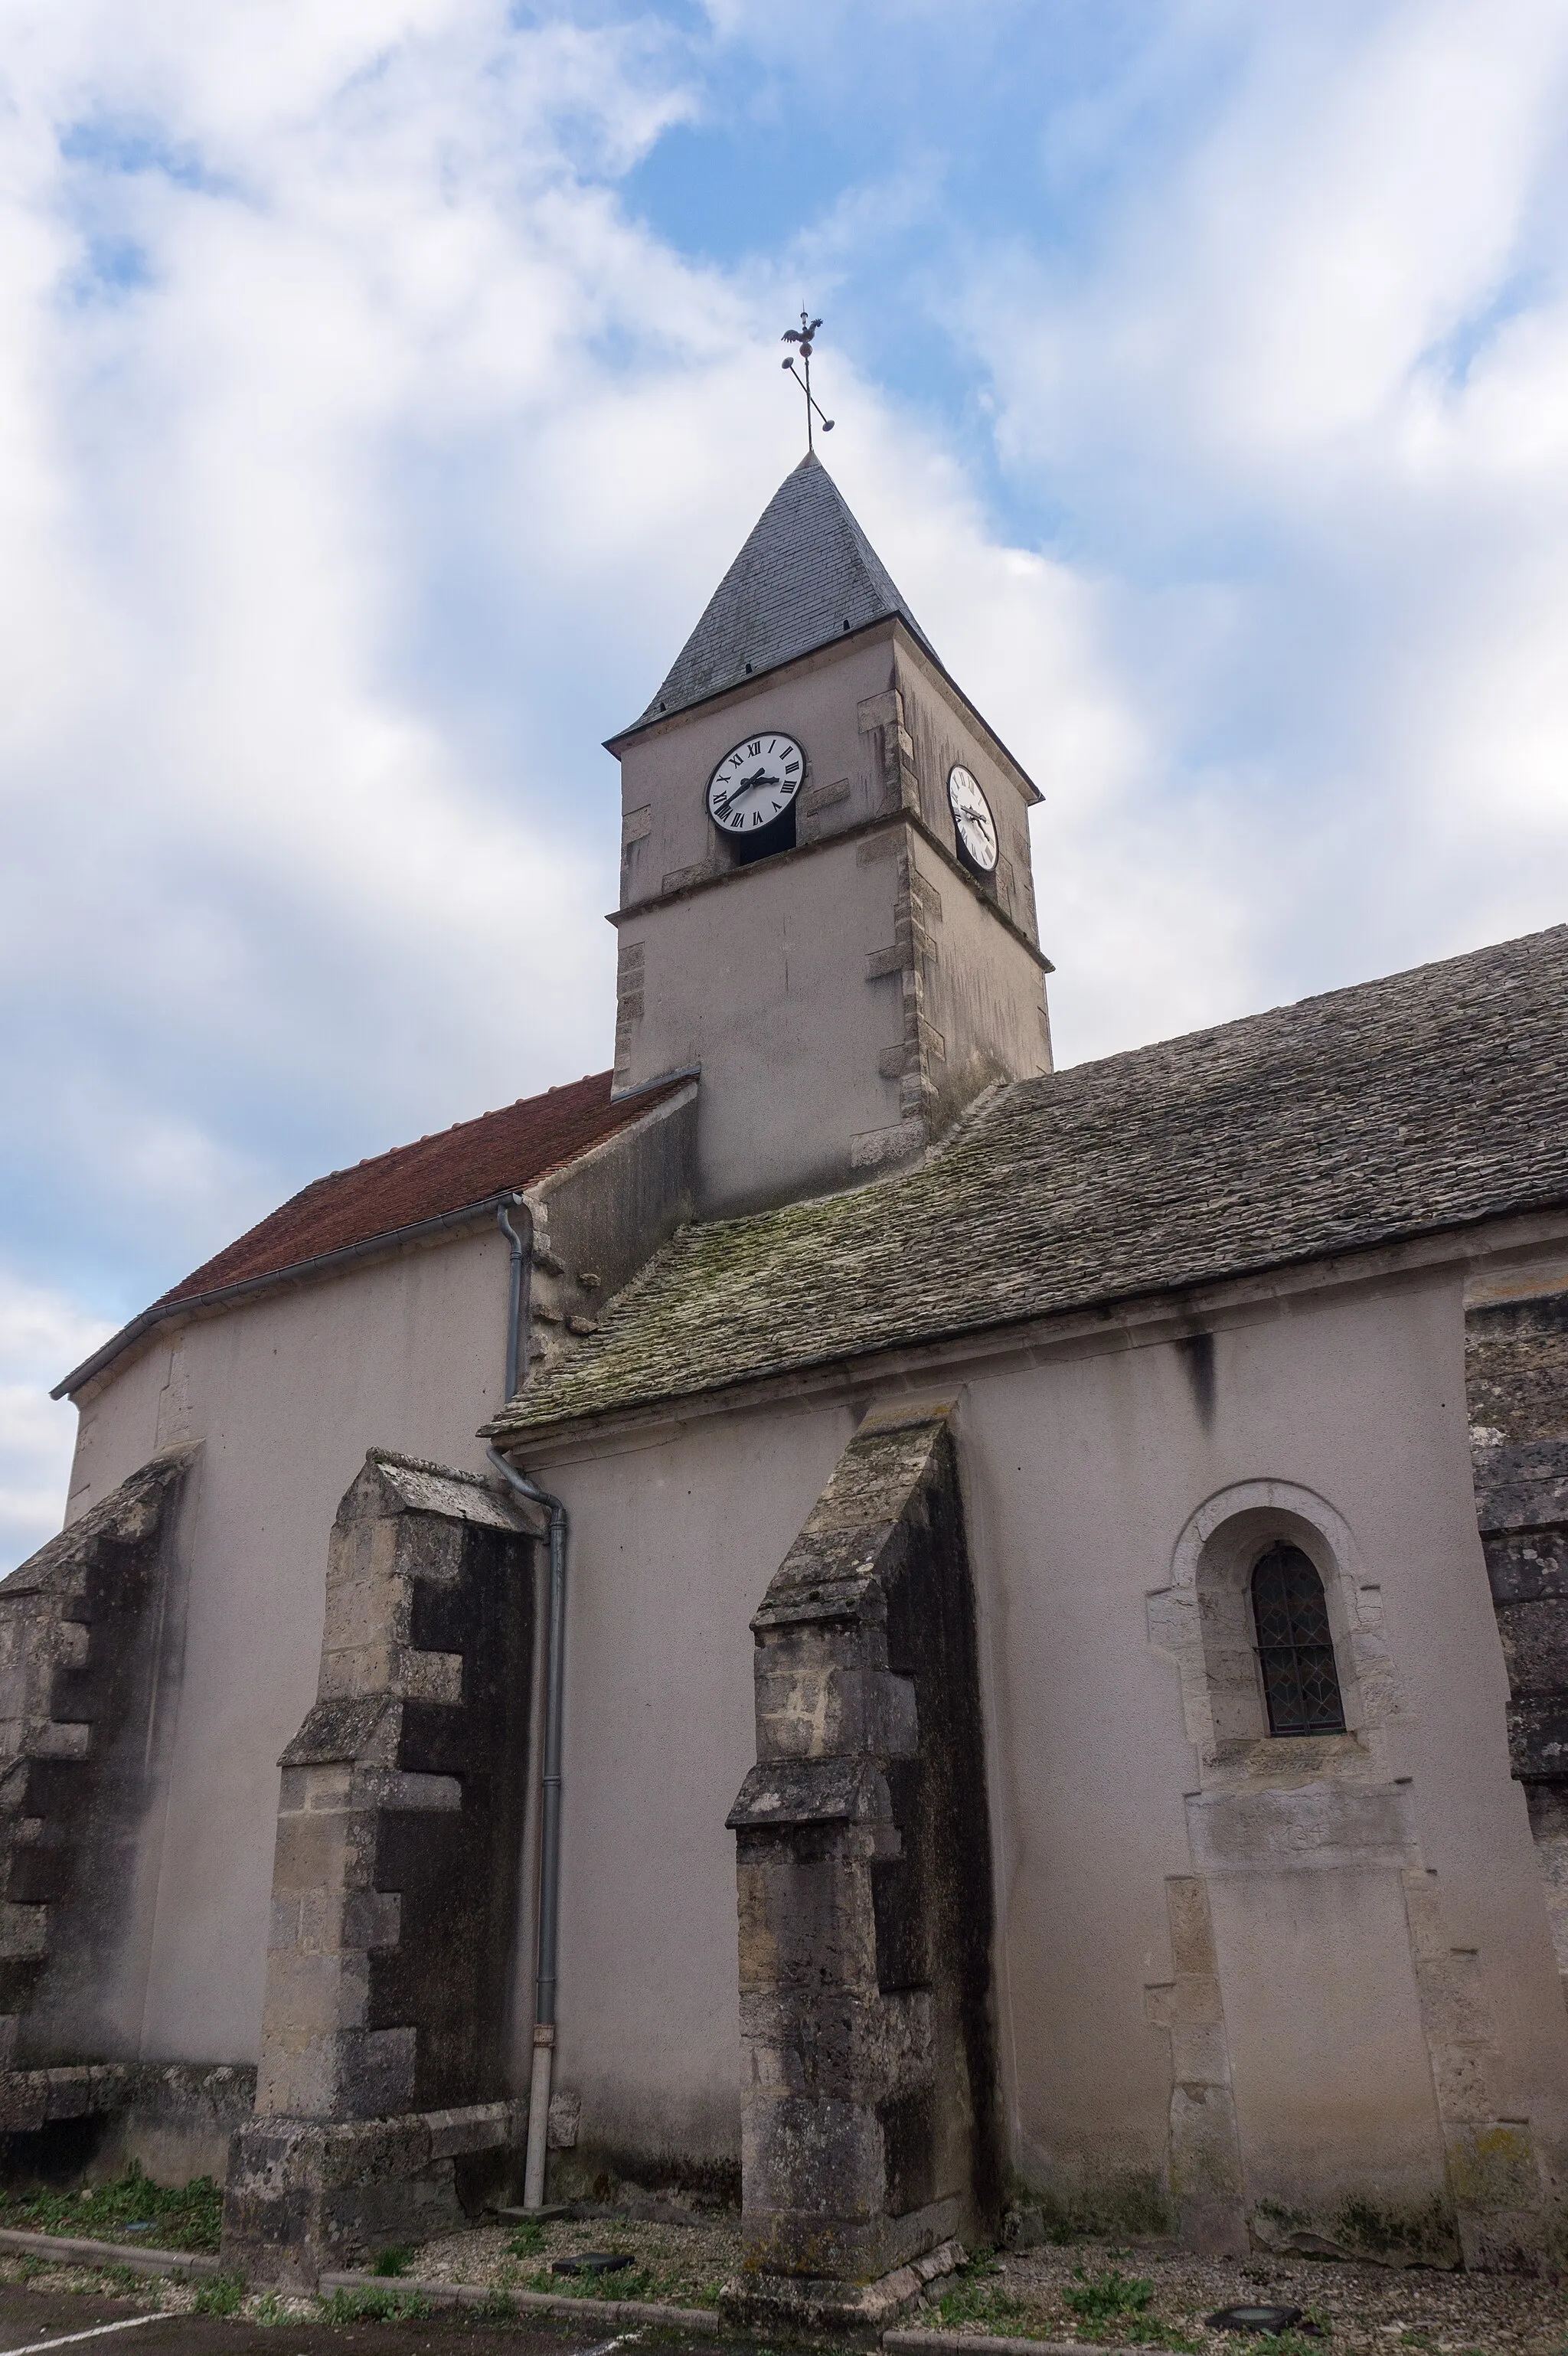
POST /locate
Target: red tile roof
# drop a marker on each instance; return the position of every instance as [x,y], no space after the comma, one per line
[466,1163]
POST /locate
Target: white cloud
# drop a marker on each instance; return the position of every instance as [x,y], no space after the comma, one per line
[42,1335]
[1305,402]
[263,840]
[363,461]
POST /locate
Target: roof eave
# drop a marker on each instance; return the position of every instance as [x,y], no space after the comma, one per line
[1368,1258]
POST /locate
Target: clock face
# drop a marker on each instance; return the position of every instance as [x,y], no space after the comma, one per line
[972,816]
[756,783]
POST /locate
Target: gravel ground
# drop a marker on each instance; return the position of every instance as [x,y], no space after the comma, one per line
[1362,2310]
[688,2265]
[1358,2309]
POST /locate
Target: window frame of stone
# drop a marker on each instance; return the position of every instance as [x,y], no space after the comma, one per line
[1202,1620]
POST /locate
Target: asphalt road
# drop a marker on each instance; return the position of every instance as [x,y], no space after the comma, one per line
[45,2320]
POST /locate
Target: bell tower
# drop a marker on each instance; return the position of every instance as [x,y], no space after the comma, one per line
[827,900]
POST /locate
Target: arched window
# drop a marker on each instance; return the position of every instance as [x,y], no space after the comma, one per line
[1295,1645]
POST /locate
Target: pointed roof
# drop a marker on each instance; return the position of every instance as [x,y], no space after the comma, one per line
[806,575]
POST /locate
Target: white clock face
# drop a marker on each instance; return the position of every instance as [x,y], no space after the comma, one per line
[972,816]
[756,783]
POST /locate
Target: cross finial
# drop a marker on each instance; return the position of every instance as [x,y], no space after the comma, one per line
[802,336]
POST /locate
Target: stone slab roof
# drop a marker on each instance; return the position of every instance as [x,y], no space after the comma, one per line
[1428,1101]
[806,575]
[473,1162]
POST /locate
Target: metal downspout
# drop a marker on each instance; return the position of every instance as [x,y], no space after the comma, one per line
[549,1836]
[516,1349]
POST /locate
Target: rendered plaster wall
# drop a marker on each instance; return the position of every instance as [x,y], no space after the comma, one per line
[983,995]
[844,999]
[1377,1925]
[942,734]
[1276,1985]
[285,1394]
[827,1013]
[672,1551]
[762,979]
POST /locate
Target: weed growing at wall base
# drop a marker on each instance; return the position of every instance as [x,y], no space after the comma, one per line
[1099,2298]
[628,2282]
[224,2295]
[189,2217]
[374,2305]
[977,2297]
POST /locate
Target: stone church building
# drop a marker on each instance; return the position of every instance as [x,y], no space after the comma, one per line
[832,1617]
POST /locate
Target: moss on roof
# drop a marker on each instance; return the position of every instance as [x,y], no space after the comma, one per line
[1427,1100]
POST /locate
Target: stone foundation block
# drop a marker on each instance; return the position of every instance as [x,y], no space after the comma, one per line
[303,2196]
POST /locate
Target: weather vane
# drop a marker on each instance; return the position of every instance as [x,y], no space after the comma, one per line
[803,336]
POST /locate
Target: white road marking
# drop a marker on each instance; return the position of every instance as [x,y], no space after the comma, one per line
[36,2347]
[621,2339]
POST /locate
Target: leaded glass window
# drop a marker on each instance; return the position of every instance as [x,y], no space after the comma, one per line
[1294,1646]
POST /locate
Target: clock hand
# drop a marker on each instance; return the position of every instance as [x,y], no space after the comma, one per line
[726,802]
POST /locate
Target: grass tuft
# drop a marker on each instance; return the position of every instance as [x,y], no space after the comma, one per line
[977,2297]
[367,2305]
[1100,2298]
[394,2260]
[224,2295]
[186,2217]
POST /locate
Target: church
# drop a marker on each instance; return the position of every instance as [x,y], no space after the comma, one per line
[832,1618]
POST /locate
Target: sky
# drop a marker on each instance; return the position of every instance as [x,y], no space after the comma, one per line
[384,388]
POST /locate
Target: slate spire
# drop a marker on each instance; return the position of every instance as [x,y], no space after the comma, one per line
[806,575]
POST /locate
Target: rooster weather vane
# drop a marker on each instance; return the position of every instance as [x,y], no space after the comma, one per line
[802,336]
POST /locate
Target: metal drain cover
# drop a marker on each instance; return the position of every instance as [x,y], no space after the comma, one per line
[1271,2319]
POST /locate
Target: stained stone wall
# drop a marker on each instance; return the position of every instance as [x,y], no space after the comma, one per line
[87,1648]
[383,2077]
[869,2128]
[1516,1367]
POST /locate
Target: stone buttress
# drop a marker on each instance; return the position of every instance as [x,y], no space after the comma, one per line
[1516,1365]
[91,1652]
[382,2098]
[868,2130]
